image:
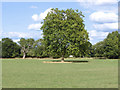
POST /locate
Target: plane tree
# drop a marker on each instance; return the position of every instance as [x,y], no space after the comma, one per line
[64,33]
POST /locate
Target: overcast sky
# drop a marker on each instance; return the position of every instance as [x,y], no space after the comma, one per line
[23,19]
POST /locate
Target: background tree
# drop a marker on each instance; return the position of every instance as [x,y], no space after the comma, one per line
[38,49]
[111,45]
[10,48]
[89,51]
[119,45]
[108,47]
[99,49]
[64,33]
[26,45]
[0,49]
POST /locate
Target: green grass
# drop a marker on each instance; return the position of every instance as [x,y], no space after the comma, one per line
[32,73]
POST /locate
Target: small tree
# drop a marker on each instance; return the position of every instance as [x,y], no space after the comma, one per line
[64,32]
[26,45]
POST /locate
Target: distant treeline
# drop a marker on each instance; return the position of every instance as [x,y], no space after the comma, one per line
[108,48]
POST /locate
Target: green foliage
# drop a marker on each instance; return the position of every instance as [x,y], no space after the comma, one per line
[0,49]
[111,45]
[26,45]
[99,49]
[108,47]
[64,33]
[89,51]
[119,45]
[9,48]
[38,49]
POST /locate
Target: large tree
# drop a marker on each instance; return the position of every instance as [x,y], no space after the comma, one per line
[64,33]
[26,45]
[10,48]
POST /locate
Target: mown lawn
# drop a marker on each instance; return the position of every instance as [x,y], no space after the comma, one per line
[32,73]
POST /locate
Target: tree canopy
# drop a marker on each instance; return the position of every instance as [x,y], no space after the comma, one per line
[109,46]
[38,49]
[9,48]
[26,45]
[64,33]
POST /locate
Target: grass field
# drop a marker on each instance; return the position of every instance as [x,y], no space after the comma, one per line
[32,73]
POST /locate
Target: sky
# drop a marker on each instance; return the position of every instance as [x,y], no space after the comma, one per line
[23,19]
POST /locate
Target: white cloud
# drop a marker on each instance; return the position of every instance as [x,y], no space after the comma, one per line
[39,17]
[96,36]
[104,21]
[17,35]
[102,17]
[35,17]
[99,34]
[97,2]
[35,26]
[42,15]
[33,7]
[106,26]
[91,38]
[97,5]
[14,34]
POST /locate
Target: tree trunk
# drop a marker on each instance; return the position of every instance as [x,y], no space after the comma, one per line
[24,55]
[62,60]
